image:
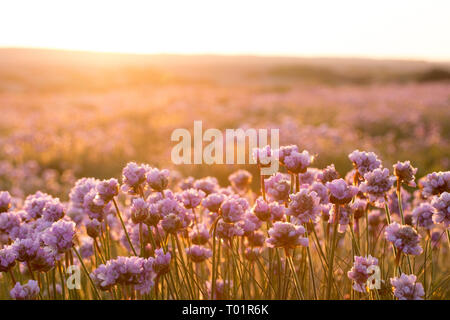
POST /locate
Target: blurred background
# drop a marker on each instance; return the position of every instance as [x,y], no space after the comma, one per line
[86,87]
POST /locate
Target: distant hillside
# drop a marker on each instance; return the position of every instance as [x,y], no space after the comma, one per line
[53,70]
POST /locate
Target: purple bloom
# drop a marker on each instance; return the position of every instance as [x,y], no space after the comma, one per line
[9,221]
[199,234]
[86,248]
[213,201]
[198,253]
[344,217]
[277,211]
[256,239]
[60,236]
[191,198]
[422,215]
[364,162]
[187,183]
[5,201]
[285,151]
[263,156]
[393,201]
[406,287]
[108,189]
[232,209]
[404,238]
[133,176]
[286,235]
[405,172]
[340,191]
[358,208]
[35,203]
[304,206]
[25,249]
[297,162]
[44,260]
[261,209]
[28,291]
[8,258]
[208,185]
[53,210]
[93,228]
[436,183]
[139,210]
[328,174]
[240,180]
[278,187]
[161,262]
[250,223]
[158,180]
[377,183]
[442,206]
[228,230]
[359,273]
[171,223]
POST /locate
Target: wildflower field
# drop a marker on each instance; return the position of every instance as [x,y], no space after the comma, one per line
[92,207]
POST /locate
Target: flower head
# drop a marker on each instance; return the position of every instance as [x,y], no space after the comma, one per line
[405,172]
[278,187]
[5,201]
[133,175]
[404,238]
[139,210]
[191,198]
[108,189]
[286,235]
[364,162]
[60,236]
[423,215]
[8,258]
[442,206]
[340,191]
[406,287]
[28,291]
[208,185]
[53,210]
[376,185]
[232,209]
[359,273]
[304,206]
[198,253]
[436,183]
[297,162]
[261,209]
[240,180]
[213,201]
[328,174]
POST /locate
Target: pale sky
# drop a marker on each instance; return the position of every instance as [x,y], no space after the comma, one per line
[418,29]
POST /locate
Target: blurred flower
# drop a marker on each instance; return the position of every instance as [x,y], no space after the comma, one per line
[359,273]
[406,287]
[198,253]
[442,206]
[377,183]
[364,162]
[28,291]
[286,235]
[422,215]
[304,205]
[404,238]
[405,172]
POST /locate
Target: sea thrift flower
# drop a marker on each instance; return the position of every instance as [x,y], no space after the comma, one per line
[442,206]
[199,234]
[158,180]
[28,291]
[154,215]
[139,210]
[393,201]
[240,180]
[35,203]
[340,191]
[377,183]
[93,205]
[404,238]
[208,185]
[44,259]
[308,177]
[53,210]
[198,253]
[187,183]
[60,236]
[86,248]
[261,209]
[304,206]
[232,210]
[228,230]
[285,151]
[191,198]
[25,249]
[297,162]
[422,215]
[278,187]
[9,221]
[286,235]
[8,258]
[263,156]
[328,174]
[358,208]
[364,162]
[250,223]
[161,262]
[406,287]
[133,176]
[344,217]
[108,189]
[359,273]
[256,239]
[93,228]
[213,201]
[436,183]
[171,223]
[5,201]
[277,211]
[405,172]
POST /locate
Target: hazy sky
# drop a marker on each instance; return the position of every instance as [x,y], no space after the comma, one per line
[373,28]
